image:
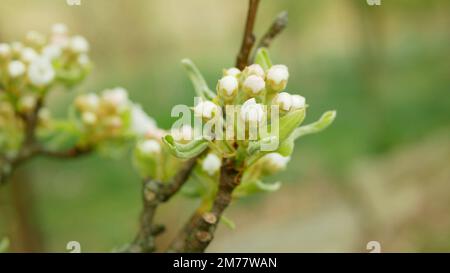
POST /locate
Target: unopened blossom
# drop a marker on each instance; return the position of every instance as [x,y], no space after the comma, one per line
[228,86]
[59,29]
[289,102]
[41,72]
[235,72]
[254,85]
[114,122]
[141,123]
[277,77]
[184,133]
[206,109]
[16,47]
[51,51]
[116,98]
[79,44]
[284,100]
[5,50]
[211,164]
[149,147]
[29,55]
[88,102]
[252,111]
[254,69]
[35,38]
[298,101]
[275,162]
[16,69]
[44,115]
[83,59]
[89,118]
[27,103]
[59,35]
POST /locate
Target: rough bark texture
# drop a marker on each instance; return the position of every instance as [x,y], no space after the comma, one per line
[199,230]
[153,194]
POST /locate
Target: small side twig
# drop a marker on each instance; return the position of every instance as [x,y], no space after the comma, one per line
[153,194]
[278,25]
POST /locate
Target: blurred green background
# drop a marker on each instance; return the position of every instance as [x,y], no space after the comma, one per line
[381,172]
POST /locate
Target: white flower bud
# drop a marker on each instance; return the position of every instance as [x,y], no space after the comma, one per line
[149,147]
[284,100]
[211,164]
[206,109]
[235,72]
[141,123]
[79,44]
[252,111]
[51,51]
[16,69]
[29,55]
[254,85]
[44,114]
[298,102]
[89,118]
[228,86]
[5,50]
[275,162]
[183,134]
[59,29]
[114,122]
[254,69]
[116,98]
[40,72]
[87,102]
[27,103]
[16,47]
[83,59]
[277,77]
[35,38]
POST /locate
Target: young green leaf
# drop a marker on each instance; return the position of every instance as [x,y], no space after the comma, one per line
[256,186]
[287,125]
[263,59]
[325,120]
[228,222]
[185,151]
[201,87]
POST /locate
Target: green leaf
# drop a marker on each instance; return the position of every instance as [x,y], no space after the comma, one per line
[256,186]
[325,120]
[62,135]
[268,187]
[290,122]
[4,245]
[228,222]
[263,59]
[287,125]
[185,151]
[201,87]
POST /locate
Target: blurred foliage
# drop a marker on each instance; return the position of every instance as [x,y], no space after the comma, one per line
[385,69]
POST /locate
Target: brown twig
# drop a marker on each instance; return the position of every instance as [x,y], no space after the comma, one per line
[200,229]
[278,25]
[153,194]
[249,38]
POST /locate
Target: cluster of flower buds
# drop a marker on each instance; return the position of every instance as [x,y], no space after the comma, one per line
[256,87]
[107,115]
[255,95]
[42,60]
[30,68]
